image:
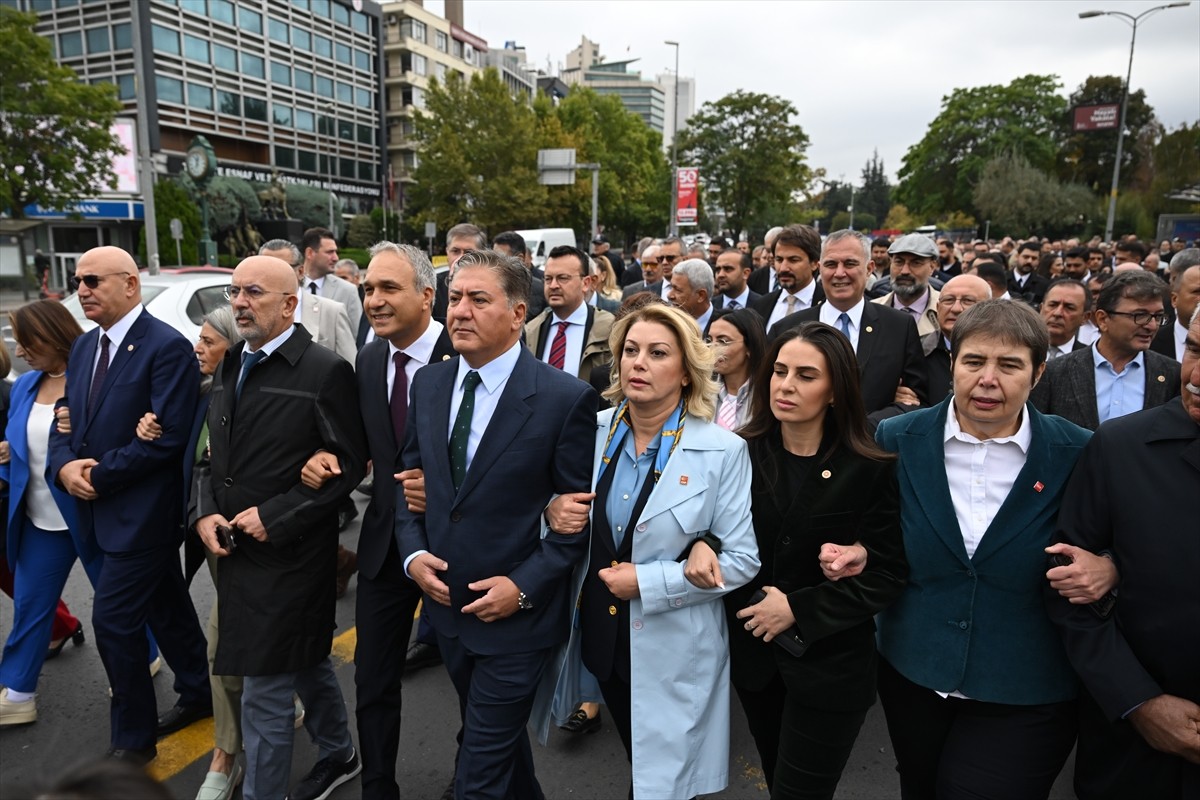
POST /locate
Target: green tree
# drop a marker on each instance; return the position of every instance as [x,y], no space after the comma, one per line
[939,173]
[749,152]
[478,157]
[362,232]
[634,173]
[171,201]
[390,231]
[1087,157]
[1021,199]
[874,197]
[55,141]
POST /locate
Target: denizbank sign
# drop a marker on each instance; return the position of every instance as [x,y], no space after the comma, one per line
[90,209]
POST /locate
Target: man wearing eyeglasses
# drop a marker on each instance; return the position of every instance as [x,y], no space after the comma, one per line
[276,400]
[670,253]
[571,334]
[1118,374]
[131,494]
[960,293]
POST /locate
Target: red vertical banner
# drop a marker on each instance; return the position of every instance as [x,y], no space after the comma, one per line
[687,193]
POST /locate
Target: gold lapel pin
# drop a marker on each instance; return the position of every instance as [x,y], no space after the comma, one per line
[826,474]
[870,329]
[445,358]
[1162,379]
[130,349]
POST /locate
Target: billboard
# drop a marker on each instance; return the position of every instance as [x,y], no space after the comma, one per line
[687,192]
[1097,118]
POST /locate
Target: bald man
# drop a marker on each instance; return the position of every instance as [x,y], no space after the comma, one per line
[957,295]
[131,495]
[278,398]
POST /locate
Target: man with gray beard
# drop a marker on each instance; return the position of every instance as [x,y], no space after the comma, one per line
[914,257]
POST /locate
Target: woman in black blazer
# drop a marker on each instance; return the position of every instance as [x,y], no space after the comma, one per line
[803,658]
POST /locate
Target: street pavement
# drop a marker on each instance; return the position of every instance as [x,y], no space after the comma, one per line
[73,726]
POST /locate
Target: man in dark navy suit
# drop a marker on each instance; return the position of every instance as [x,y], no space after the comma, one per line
[497,433]
[399,293]
[130,494]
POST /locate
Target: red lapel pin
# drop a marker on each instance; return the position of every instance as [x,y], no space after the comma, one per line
[1037,487]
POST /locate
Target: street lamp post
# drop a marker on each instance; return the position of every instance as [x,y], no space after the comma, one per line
[673,227]
[1132,21]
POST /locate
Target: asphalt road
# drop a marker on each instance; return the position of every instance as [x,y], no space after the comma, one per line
[73,725]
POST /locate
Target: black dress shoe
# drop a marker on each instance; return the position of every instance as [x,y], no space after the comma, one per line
[580,722]
[76,636]
[139,758]
[422,655]
[179,717]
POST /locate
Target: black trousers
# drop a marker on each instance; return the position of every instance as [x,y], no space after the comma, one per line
[384,610]
[764,717]
[950,748]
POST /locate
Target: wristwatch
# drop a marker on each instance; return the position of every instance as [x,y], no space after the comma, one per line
[523,603]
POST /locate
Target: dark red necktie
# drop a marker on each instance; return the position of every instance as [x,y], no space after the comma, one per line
[399,399]
[558,350]
[98,376]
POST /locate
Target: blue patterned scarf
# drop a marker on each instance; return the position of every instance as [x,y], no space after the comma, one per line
[672,430]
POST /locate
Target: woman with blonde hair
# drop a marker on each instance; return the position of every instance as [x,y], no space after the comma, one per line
[651,629]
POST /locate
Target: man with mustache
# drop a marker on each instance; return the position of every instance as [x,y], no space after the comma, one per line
[913,260]
[1064,309]
[1117,375]
[1139,714]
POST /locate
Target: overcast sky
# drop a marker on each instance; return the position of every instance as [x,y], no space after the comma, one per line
[862,74]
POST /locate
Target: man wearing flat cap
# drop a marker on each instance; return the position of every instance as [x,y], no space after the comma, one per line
[913,258]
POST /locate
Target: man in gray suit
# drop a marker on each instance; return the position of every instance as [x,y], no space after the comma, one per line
[326,319]
[1117,375]
[320,255]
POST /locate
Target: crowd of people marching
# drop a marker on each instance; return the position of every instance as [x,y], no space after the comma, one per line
[959,477]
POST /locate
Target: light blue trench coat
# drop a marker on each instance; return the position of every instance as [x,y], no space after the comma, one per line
[679,646]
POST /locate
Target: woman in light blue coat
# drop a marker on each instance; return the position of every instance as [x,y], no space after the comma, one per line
[652,630]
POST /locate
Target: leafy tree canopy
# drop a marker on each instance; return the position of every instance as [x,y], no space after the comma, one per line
[750,155]
[1021,199]
[55,139]
[940,172]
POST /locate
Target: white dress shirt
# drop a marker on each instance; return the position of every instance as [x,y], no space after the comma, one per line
[419,353]
[804,299]
[981,473]
[1088,333]
[494,377]
[577,321]
[829,315]
[1180,338]
[703,320]
[116,334]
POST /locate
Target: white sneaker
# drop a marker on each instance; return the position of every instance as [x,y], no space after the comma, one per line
[14,713]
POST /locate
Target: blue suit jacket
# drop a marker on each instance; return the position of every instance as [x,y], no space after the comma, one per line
[978,625]
[16,472]
[140,484]
[537,444]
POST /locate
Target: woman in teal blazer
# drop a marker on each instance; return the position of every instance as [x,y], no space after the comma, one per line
[977,690]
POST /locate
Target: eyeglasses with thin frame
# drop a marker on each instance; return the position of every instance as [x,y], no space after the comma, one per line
[93,280]
[1140,318]
[253,293]
[949,300]
[562,280]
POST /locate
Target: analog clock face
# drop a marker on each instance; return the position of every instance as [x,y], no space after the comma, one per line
[197,163]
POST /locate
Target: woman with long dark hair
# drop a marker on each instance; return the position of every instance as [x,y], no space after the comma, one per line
[802,646]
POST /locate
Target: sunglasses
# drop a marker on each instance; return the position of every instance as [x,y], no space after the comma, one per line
[92,281]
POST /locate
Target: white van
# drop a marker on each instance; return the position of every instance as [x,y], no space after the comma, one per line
[541,241]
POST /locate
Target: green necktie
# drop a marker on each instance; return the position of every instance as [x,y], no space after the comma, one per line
[462,430]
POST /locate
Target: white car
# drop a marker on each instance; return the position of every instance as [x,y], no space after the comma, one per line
[179,297]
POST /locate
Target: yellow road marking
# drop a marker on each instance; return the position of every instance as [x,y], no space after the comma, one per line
[183,748]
